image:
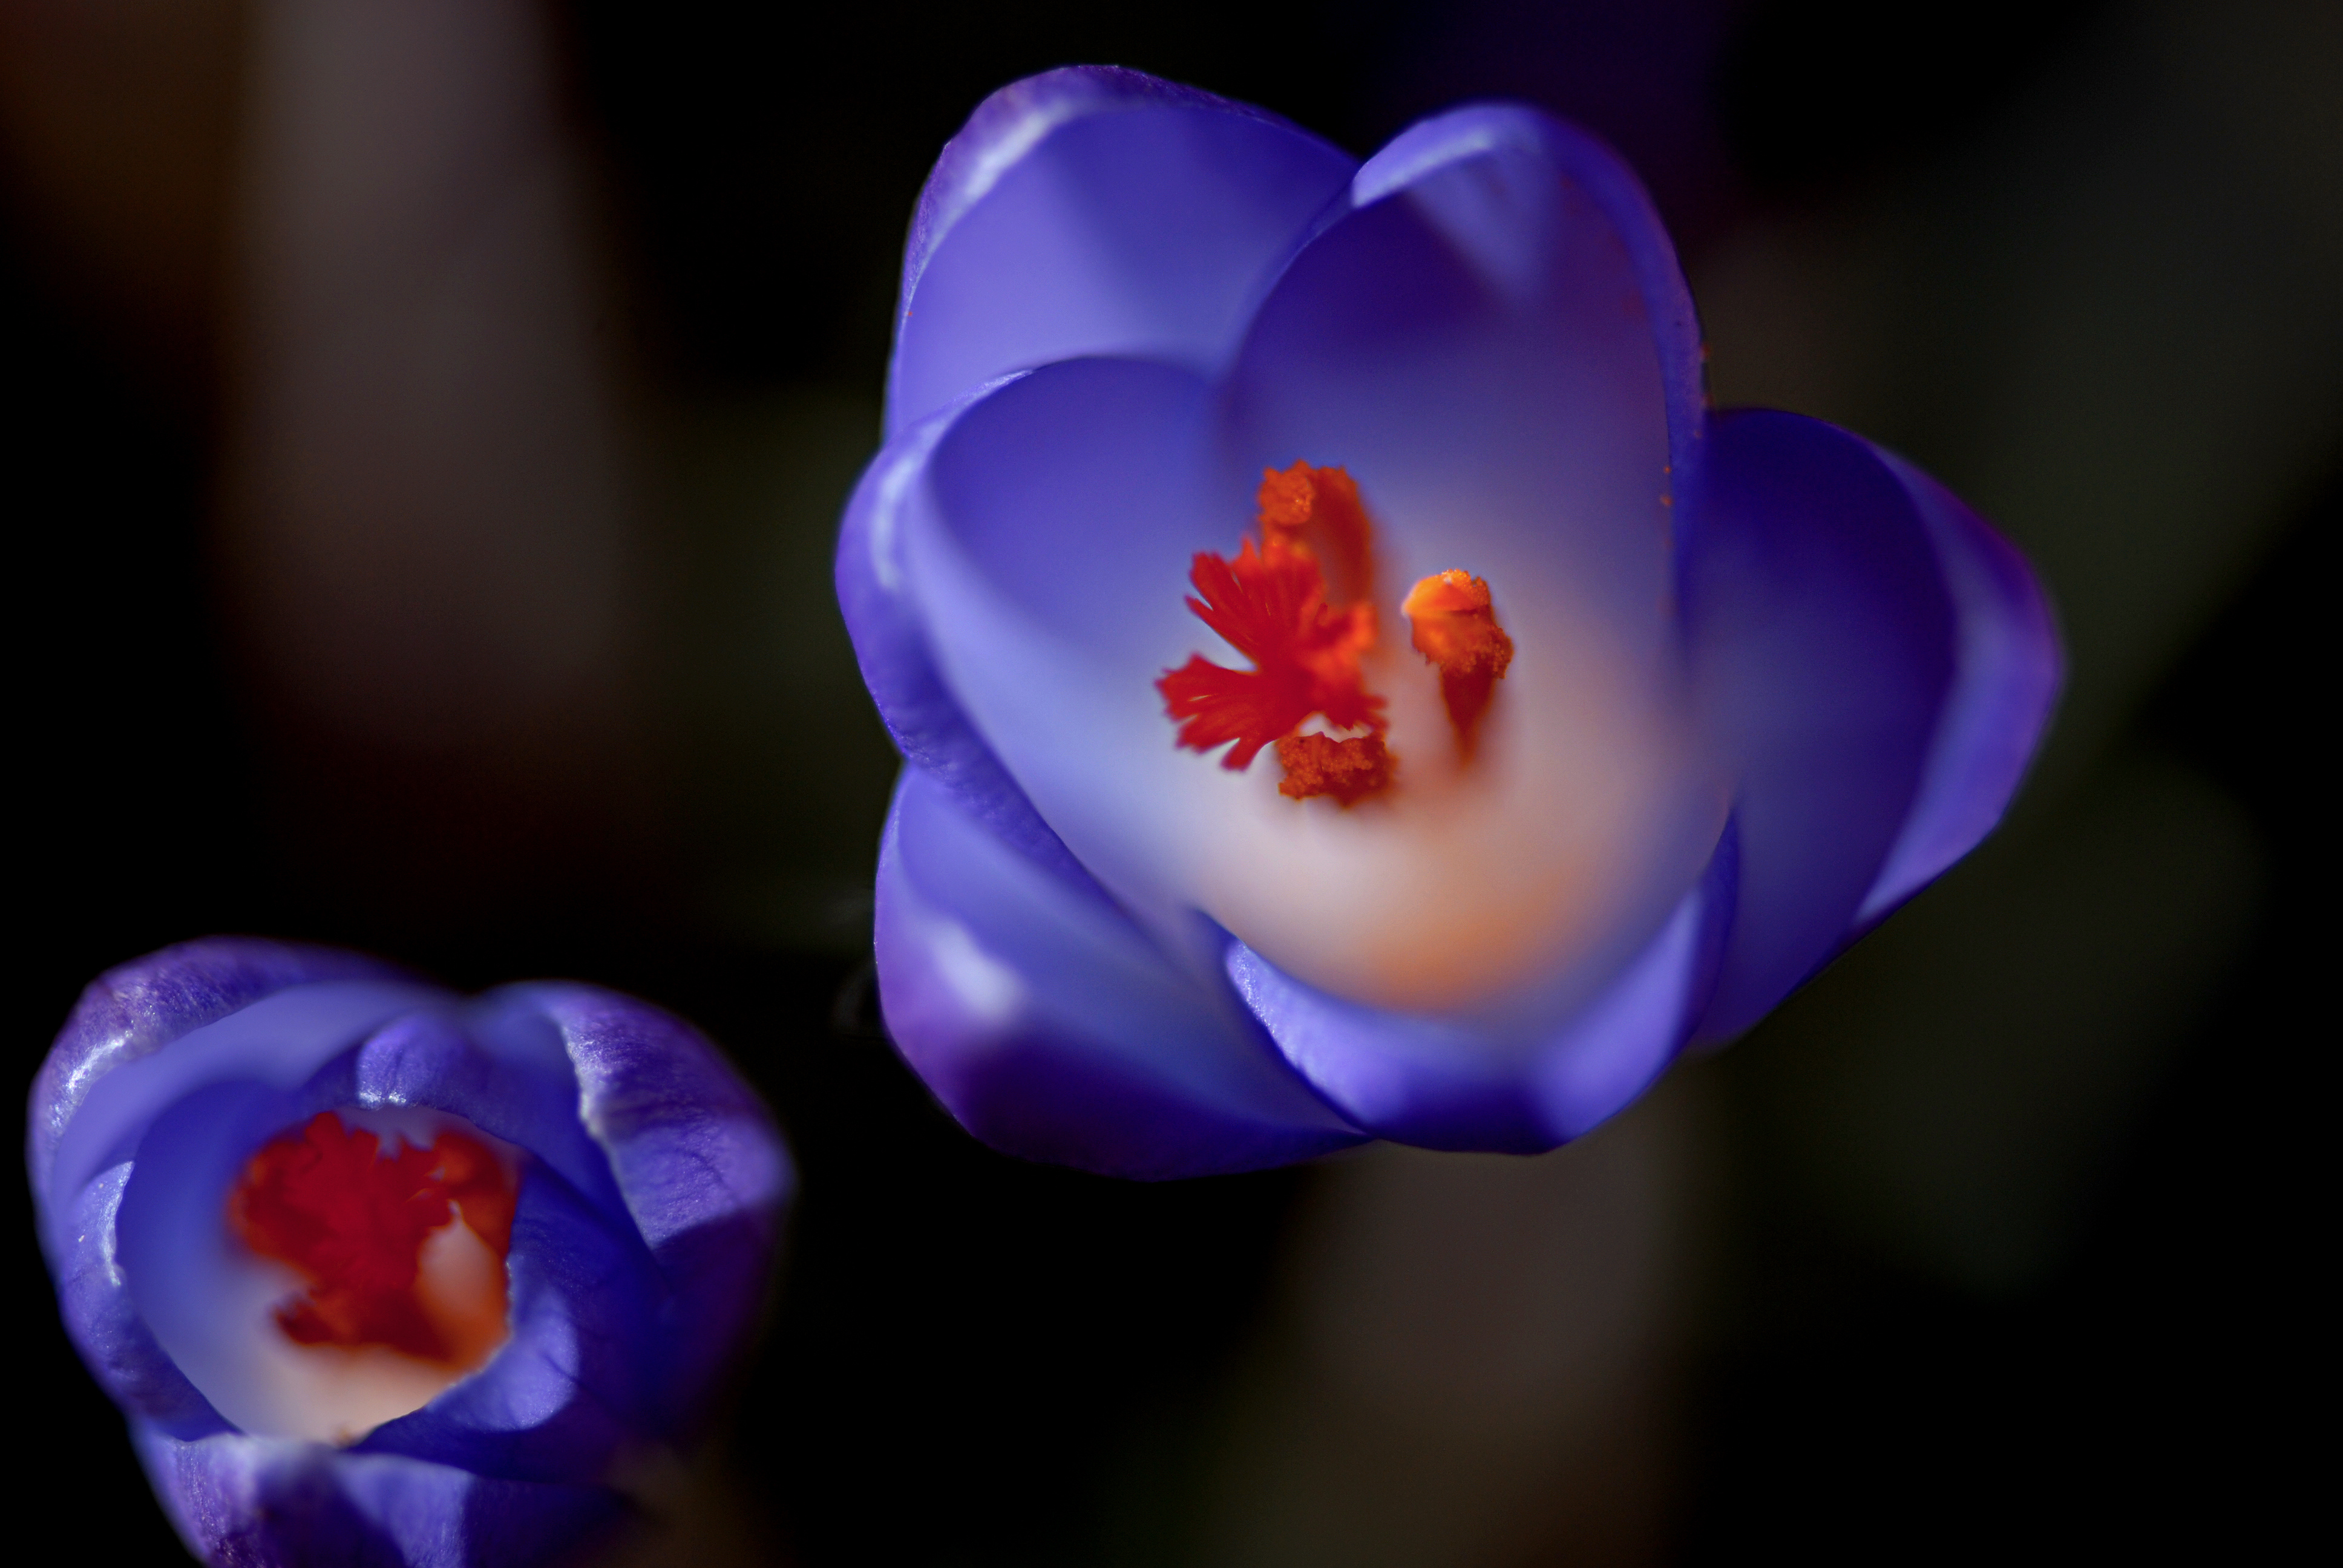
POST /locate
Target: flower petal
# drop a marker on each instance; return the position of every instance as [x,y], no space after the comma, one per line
[1454,1083]
[1508,132]
[1092,210]
[1497,344]
[274,1503]
[115,1344]
[277,1043]
[891,645]
[1052,1026]
[1040,552]
[205,1300]
[497,1062]
[1825,638]
[136,1008]
[698,1161]
[576,1384]
[2006,678]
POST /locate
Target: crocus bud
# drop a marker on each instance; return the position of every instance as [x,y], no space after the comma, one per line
[384,1274]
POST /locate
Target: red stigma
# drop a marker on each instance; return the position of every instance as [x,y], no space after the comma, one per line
[354,1223]
[1272,608]
[1272,605]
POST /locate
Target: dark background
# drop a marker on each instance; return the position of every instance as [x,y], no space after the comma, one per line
[975,1360]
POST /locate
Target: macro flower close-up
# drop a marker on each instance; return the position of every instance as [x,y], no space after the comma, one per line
[383,1274]
[1238,785]
[1352,684]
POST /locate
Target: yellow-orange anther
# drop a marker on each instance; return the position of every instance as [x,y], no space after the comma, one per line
[1318,511]
[1349,770]
[1454,626]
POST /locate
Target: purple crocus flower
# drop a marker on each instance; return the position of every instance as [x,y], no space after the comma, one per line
[1687,701]
[384,1275]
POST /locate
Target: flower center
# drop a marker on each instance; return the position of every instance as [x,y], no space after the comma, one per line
[1301,608]
[401,1247]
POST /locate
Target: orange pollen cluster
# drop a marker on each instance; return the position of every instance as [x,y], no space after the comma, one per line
[1272,606]
[1454,626]
[1349,770]
[1318,512]
[354,1223]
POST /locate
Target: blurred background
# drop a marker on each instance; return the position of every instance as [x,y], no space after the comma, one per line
[426,424]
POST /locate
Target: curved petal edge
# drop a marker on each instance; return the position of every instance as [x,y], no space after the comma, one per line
[1053,1029]
[1455,1084]
[890,646]
[1823,639]
[134,1010]
[699,1164]
[2008,671]
[1096,210]
[1595,168]
[272,1503]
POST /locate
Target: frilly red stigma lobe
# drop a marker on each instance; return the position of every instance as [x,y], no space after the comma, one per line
[1272,608]
[1272,605]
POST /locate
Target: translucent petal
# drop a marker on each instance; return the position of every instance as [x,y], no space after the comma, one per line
[1054,1028]
[1097,211]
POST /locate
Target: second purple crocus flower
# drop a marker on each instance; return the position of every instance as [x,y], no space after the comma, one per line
[1184,400]
[384,1275]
